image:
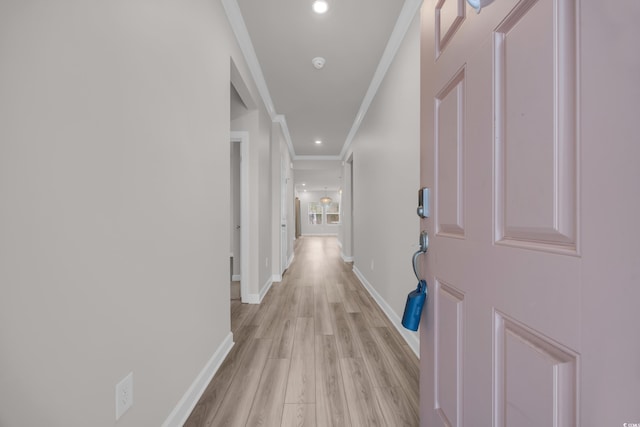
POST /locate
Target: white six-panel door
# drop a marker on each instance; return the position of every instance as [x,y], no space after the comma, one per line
[512,230]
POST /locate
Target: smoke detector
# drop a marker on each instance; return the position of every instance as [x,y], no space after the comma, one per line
[318,62]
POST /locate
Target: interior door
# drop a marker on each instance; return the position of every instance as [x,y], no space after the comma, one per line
[517,104]
[298,219]
[284,240]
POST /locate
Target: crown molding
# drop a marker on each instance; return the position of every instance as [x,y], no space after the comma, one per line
[280,118]
[234,15]
[242,36]
[408,12]
[312,157]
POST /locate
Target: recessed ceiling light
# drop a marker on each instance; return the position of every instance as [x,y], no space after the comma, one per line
[320,6]
[303,184]
[318,141]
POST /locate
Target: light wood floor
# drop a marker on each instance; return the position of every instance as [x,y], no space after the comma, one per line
[318,351]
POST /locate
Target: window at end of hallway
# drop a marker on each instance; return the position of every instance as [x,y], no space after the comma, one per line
[333,213]
[315,213]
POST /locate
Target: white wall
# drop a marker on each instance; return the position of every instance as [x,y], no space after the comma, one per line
[265,197]
[114,181]
[282,204]
[345,236]
[258,124]
[386,155]
[316,229]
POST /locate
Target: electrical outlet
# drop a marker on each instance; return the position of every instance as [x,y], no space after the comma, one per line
[371,265]
[266,262]
[124,395]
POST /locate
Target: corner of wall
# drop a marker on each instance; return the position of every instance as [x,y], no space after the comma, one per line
[189,400]
[411,338]
[265,288]
[346,258]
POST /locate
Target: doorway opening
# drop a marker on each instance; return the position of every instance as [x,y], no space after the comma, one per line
[240,218]
[235,258]
[298,222]
[241,103]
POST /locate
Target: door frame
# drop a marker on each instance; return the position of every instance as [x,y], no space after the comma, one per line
[284,220]
[242,138]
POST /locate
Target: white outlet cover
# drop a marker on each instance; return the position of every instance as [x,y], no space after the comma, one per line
[124,395]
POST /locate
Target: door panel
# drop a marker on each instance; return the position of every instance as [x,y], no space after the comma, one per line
[448,353]
[449,17]
[449,146]
[529,140]
[535,117]
[535,379]
[501,336]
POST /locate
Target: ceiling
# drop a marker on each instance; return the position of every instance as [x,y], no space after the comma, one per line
[314,175]
[357,38]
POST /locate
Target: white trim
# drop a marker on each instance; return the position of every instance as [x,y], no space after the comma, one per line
[328,158]
[412,338]
[236,278]
[266,288]
[257,298]
[290,259]
[244,41]
[252,299]
[276,278]
[189,400]
[285,131]
[245,206]
[241,87]
[346,258]
[408,12]
[239,28]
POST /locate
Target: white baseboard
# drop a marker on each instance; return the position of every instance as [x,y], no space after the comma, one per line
[412,338]
[183,409]
[290,260]
[252,299]
[257,298]
[265,289]
[276,278]
[236,278]
[346,258]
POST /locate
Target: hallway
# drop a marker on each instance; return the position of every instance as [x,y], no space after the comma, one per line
[317,351]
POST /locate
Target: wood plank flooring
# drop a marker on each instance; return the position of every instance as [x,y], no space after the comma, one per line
[318,351]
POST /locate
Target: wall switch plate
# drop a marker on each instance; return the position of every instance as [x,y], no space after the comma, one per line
[124,395]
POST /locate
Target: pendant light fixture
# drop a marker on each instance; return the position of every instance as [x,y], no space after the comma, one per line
[326,200]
